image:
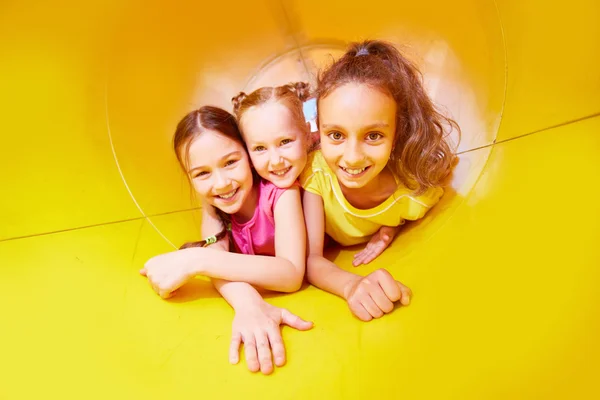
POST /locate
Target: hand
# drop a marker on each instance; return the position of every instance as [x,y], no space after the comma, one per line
[378,243]
[258,327]
[168,272]
[374,295]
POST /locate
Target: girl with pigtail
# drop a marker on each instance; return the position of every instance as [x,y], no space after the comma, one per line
[225,165]
[383,159]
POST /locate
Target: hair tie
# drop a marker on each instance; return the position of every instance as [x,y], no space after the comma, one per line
[362,52]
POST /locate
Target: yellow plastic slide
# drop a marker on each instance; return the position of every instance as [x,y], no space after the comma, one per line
[505,270]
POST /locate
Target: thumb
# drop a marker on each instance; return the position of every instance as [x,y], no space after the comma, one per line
[143,271]
[295,321]
[406,294]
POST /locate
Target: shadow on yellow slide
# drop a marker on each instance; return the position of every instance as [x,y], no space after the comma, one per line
[505,270]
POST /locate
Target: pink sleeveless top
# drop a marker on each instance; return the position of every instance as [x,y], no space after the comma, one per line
[257,236]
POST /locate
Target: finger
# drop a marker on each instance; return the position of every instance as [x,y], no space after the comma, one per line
[359,311]
[250,351]
[264,353]
[358,258]
[389,285]
[371,255]
[406,294]
[234,348]
[361,257]
[295,321]
[277,346]
[143,271]
[381,300]
[371,307]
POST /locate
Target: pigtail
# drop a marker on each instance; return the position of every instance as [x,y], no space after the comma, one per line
[300,89]
[237,101]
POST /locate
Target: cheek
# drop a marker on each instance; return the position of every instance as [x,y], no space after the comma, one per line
[201,187]
[244,172]
[257,160]
[331,151]
[380,153]
[297,153]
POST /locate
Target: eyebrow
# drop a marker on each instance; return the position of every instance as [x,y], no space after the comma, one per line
[226,156]
[372,126]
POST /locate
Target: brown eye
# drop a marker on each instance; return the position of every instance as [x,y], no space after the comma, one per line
[230,162]
[335,136]
[286,141]
[373,136]
[199,174]
[260,148]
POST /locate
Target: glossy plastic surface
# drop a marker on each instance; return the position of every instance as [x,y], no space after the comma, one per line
[504,270]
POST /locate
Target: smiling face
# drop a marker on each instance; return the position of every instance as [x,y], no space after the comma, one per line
[276,142]
[220,171]
[357,125]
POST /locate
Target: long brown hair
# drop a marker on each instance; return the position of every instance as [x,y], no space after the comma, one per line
[421,153]
[189,128]
[292,96]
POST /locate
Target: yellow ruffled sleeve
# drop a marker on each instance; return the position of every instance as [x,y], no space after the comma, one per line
[418,206]
[311,179]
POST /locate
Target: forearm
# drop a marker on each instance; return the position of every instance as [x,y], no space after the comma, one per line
[237,294]
[325,275]
[271,273]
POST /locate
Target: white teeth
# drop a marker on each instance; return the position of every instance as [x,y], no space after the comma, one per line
[354,171]
[228,195]
[281,172]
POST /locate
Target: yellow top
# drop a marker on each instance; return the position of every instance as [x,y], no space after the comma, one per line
[348,225]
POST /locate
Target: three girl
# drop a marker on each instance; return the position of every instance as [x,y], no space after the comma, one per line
[383,158]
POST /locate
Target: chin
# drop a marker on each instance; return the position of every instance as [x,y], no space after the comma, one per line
[352,183]
[228,208]
[283,183]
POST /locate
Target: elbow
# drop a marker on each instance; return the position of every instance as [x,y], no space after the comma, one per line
[294,283]
[292,287]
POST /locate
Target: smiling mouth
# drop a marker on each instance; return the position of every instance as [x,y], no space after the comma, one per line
[281,172]
[354,171]
[228,195]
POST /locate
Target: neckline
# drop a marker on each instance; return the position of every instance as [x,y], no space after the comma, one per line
[256,209]
[369,212]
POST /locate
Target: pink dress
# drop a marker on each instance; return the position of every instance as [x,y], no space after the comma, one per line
[257,236]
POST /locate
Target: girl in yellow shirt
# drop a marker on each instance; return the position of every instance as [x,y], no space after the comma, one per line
[383,158]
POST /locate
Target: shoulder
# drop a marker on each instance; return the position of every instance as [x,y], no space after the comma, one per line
[418,205]
[270,194]
[314,170]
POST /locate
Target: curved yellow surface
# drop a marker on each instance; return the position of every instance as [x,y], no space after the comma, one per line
[505,270]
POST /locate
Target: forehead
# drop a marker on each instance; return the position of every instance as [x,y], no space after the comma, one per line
[355,105]
[209,147]
[267,122]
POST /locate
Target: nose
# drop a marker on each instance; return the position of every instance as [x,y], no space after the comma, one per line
[222,180]
[275,158]
[353,155]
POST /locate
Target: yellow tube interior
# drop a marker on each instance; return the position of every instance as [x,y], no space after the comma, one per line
[504,269]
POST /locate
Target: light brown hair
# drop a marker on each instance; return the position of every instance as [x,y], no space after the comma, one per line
[292,95]
[421,153]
